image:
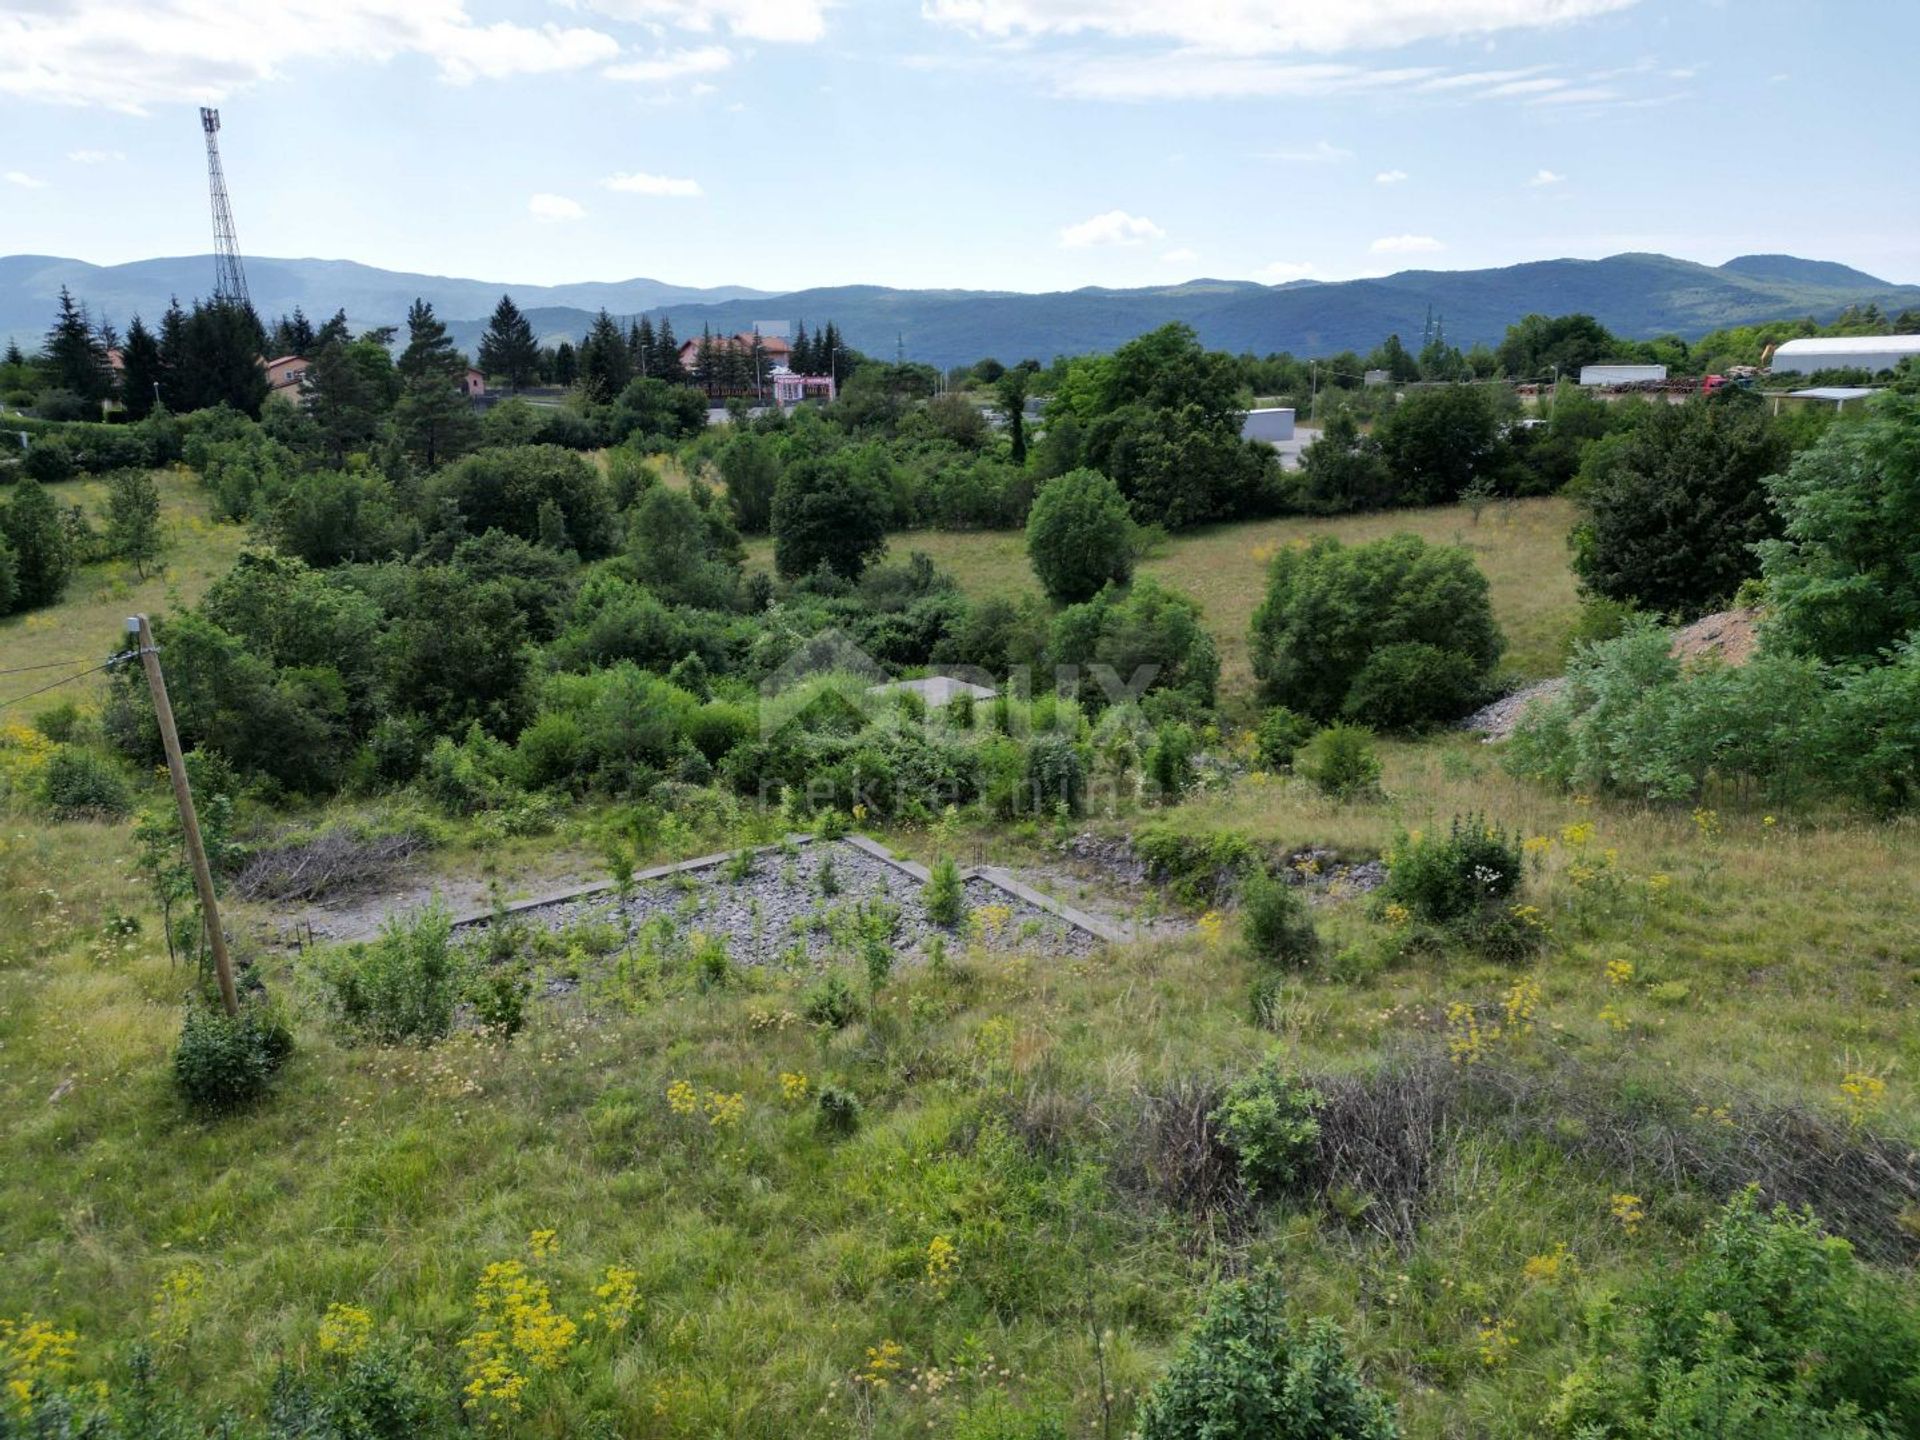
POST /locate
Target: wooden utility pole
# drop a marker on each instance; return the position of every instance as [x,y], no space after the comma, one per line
[189,821]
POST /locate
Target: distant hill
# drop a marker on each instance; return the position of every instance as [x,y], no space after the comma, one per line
[371,296]
[1635,295]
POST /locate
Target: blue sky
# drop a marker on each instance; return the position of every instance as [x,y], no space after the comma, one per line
[1020,144]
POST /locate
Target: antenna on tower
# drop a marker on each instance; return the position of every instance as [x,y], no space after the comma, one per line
[229,280]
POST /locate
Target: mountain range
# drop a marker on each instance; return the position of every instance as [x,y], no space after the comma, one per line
[1634,295]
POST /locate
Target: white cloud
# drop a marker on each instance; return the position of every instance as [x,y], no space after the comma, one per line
[1390,177]
[791,21]
[554,208]
[672,65]
[1405,245]
[1281,271]
[102,52]
[24,180]
[1261,27]
[1180,256]
[95,157]
[1115,227]
[641,183]
[1318,153]
[1546,177]
[1188,75]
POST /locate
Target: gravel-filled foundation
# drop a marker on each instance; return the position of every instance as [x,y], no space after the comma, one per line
[781,905]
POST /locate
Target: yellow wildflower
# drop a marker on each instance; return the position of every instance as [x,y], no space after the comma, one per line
[618,1296]
[34,1356]
[1550,1267]
[1862,1094]
[1209,926]
[1521,1001]
[543,1243]
[882,1361]
[1578,836]
[1496,1341]
[682,1099]
[1627,1209]
[942,1260]
[724,1112]
[1619,972]
[793,1087]
[345,1330]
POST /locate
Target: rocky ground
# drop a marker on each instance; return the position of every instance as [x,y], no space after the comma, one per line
[782,909]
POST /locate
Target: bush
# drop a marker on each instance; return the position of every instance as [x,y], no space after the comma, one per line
[1056,775]
[1246,1373]
[945,899]
[1330,607]
[499,995]
[78,782]
[830,1001]
[225,1063]
[1278,928]
[1170,760]
[1413,686]
[1280,735]
[1199,869]
[1080,536]
[1773,1330]
[1461,876]
[1340,762]
[402,986]
[838,1111]
[1267,1121]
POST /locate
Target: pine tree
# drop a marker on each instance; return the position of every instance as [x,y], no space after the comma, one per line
[566,363]
[703,360]
[14,357]
[671,370]
[646,361]
[75,357]
[140,374]
[800,356]
[508,348]
[217,359]
[334,329]
[343,397]
[605,366]
[42,554]
[173,343]
[434,417]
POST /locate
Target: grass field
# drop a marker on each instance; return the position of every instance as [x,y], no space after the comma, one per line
[89,624]
[1015,1210]
[1520,545]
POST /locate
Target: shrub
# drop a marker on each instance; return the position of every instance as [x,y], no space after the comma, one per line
[838,1111]
[402,986]
[1340,762]
[1280,735]
[1413,686]
[945,900]
[1842,580]
[830,1001]
[224,1063]
[1462,875]
[1056,775]
[1197,868]
[1247,1373]
[1267,1121]
[78,782]
[1279,930]
[1080,536]
[1772,1330]
[1170,761]
[1330,607]
[499,995]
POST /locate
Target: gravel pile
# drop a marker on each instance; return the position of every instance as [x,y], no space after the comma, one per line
[1497,720]
[780,905]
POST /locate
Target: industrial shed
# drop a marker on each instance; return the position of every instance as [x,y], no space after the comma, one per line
[1844,352]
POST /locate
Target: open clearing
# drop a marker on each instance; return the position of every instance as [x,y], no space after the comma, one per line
[1521,545]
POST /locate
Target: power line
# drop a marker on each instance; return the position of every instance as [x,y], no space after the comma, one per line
[107,664]
[49,665]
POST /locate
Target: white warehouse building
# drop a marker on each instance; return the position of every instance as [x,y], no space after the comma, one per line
[1844,352]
